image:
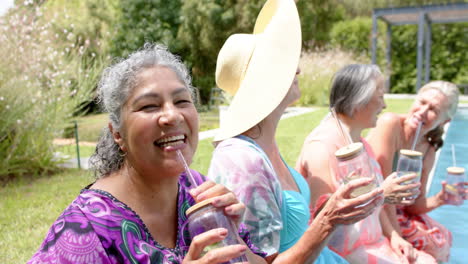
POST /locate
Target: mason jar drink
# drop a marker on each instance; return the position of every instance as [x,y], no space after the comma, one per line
[203,217]
[353,163]
[409,162]
[455,185]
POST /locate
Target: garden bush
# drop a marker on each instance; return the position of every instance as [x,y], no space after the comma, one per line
[43,82]
[317,69]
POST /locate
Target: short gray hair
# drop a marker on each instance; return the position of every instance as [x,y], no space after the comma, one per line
[353,86]
[116,84]
[449,90]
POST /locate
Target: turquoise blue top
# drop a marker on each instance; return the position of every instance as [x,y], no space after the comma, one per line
[295,214]
[276,218]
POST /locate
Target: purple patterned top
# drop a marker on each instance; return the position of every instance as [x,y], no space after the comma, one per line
[98,228]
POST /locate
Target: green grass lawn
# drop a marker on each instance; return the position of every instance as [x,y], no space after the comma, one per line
[70,150]
[90,127]
[30,206]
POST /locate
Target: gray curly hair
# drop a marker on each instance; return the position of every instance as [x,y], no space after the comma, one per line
[115,86]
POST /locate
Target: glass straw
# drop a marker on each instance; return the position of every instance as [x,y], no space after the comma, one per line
[187,169]
[417,135]
[347,137]
[453,156]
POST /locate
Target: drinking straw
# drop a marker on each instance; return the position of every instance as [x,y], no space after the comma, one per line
[417,135]
[187,169]
[347,137]
[453,156]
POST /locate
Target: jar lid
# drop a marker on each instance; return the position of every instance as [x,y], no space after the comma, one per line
[456,170]
[411,153]
[349,151]
[199,205]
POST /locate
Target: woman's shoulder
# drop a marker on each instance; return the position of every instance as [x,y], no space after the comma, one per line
[389,125]
[240,150]
[240,143]
[72,230]
[325,132]
[389,119]
[237,161]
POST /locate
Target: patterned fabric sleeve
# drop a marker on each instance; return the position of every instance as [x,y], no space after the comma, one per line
[70,232]
[244,168]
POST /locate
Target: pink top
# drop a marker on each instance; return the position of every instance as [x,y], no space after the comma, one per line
[362,242]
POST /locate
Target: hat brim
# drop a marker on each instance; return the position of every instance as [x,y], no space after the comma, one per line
[271,70]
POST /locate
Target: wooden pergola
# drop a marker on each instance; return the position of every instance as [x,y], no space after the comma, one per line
[424,17]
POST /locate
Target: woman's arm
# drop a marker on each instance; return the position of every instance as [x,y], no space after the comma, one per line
[383,140]
[402,248]
[339,209]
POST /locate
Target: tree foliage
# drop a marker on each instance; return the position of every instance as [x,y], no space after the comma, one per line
[45,76]
[140,21]
[205,27]
[448,51]
[317,18]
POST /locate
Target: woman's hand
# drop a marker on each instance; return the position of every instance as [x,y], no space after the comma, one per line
[341,209]
[222,197]
[216,255]
[395,192]
[403,248]
[465,190]
[462,191]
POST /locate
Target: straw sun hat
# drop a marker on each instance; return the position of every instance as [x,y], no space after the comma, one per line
[258,69]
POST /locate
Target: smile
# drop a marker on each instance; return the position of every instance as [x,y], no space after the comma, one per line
[171,141]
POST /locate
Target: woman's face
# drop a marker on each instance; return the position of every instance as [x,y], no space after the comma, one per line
[158,119]
[368,114]
[429,107]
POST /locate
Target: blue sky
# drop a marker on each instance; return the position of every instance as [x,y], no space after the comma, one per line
[4,5]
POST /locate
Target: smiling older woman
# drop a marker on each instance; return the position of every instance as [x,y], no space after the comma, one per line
[135,212]
[435,104]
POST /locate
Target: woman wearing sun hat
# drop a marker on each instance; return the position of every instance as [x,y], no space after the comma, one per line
[259,71]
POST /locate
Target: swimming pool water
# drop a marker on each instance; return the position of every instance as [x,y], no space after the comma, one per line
[455,218]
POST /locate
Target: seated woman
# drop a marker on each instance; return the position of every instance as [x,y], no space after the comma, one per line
[247,159]
[356,98]
[435,104]
[135,210]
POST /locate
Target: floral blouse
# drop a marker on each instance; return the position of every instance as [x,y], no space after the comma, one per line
[242,166]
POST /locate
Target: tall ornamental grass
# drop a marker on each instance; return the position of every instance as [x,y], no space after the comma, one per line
[317,69]
[43,83]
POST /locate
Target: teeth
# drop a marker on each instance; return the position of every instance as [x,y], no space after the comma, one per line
[174,143]
[168,139]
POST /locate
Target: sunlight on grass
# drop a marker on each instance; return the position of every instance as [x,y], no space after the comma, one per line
[30,206]
[70,150]
[90,127]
